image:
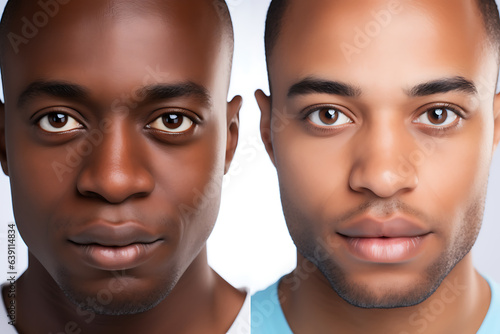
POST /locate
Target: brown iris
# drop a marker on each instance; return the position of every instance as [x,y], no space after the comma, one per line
[173,121]
[328,116]
[57,120]
[437,116]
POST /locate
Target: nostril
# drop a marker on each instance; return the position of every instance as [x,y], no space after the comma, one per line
[382,180]
[115,187]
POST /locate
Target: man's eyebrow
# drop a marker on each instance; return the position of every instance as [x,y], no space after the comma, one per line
[53,88]
[163,91]
[160,91]
[313,85]
[443,85]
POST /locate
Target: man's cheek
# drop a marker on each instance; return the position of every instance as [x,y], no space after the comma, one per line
[308,178]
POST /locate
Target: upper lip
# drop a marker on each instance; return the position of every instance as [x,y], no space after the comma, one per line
[394,227]
[110,234]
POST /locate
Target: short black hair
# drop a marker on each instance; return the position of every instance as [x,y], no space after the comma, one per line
[277,10]
[275,15]
[11,8]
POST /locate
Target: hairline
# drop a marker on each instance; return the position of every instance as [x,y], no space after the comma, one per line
[280,8]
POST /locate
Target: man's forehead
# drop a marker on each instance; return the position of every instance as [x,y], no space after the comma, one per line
[367,41]
[351,13]
[29,22]
[121,52]
[108,8]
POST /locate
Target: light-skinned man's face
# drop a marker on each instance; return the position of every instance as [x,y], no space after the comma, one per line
[382,131]
[116,133]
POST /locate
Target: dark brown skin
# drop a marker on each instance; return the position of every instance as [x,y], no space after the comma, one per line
[331,175]
[138,176]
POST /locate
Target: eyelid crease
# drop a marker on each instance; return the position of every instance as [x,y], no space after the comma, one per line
[304,113]
[444,105]
[37,116]
[161,122]
[160,112]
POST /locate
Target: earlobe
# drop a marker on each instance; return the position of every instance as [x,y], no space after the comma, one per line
[496,111]
[3,149]
[264,103]
[233,125]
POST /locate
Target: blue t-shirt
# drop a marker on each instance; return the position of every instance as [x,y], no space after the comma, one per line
[267,314]
[491,323]
[268,317]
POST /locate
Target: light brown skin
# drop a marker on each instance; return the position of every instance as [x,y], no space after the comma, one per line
[135,173]
[355,168]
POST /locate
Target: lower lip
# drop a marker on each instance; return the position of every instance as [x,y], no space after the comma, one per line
[385,250]
[117,258]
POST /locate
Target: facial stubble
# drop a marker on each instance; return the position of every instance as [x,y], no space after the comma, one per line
[363,296]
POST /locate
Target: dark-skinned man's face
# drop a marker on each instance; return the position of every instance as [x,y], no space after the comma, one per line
[382,131]
[115,127]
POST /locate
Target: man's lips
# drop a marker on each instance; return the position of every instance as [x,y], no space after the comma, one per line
[114,246]
[369,227]
[394,240]
[113,234]
[116,258]
[385,250]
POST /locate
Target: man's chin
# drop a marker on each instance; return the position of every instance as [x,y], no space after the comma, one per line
[115,305]
[384,291]
[117,300]
[121,308]
[372,297]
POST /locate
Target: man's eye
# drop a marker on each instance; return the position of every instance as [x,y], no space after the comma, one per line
[58,122]
[172,122]
[328,117]
[438,117]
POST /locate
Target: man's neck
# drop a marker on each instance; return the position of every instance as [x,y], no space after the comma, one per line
[199,294]
[459,305]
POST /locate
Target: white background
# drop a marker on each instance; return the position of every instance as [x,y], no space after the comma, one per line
[250,246]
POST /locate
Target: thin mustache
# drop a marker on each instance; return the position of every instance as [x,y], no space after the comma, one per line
[384,208]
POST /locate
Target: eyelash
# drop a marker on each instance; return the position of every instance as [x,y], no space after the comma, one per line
[37,118]
[306,113]
[173,136]
[447,106]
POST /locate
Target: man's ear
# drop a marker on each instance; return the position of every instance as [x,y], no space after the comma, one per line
[496,111]
[3,149]
[264,103]
[233,129]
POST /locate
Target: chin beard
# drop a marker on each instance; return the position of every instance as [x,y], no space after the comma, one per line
[117,308]
[386,297]
[117,302]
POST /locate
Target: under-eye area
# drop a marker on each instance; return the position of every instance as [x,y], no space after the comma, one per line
[57,125]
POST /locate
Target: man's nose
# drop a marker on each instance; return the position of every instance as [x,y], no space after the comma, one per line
[117,168]
[380,160]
